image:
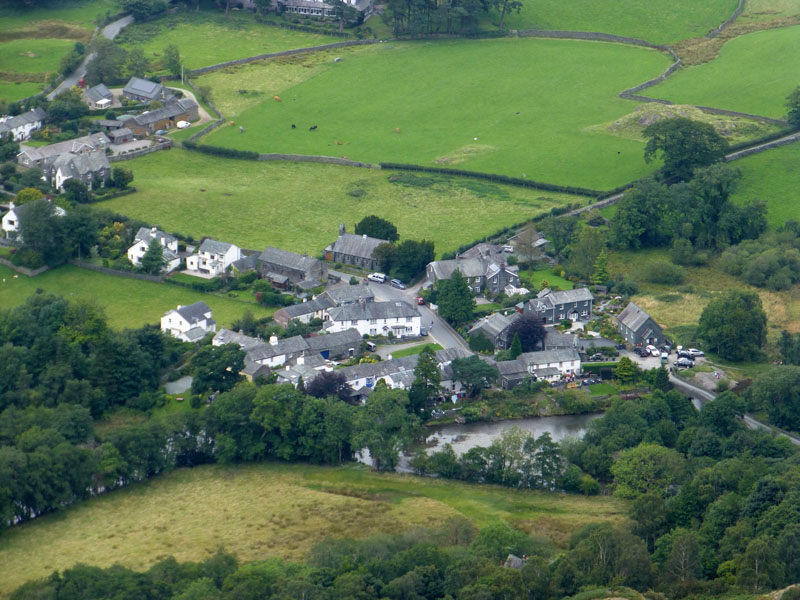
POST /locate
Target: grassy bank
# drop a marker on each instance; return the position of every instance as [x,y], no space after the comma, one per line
[127,302]
[258,511]
[298,206]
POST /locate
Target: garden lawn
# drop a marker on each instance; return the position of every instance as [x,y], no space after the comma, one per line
[602,389]
[127,302]
[299,206]
[753,73]
[415,350]
[266,510]
[512,106]
[533,279]
[657,21]
[209,37]
[772,176]
[11,91]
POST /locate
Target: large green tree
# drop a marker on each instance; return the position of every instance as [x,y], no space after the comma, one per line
[427,380]
[377,227]
[646,469]
[455,299]
[779,393]
[473,373]
[385,427]
[793,107]
[734,325]
[153,259]
[216,368]
[683,145]
[530,331]
[171,60]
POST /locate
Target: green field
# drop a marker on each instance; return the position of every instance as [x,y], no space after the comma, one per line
[299,206]
[19,15]
[657,21]
[753,73]
[517,107]
[259,511]
[11,91]
[33,55]
[772,176]
[127,302]
[207,38]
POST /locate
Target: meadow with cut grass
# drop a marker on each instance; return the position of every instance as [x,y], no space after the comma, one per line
[521,108]
[127,302]
[265,510]
[299,206]
[657,21]
[753,73]
[208,37]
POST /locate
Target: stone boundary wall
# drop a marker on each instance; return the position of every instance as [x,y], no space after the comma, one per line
[137,153]
[790,139]
[23,270]
[715,32]
[733,113]
[249,59]
[211,126]
[331,160]
[106,270]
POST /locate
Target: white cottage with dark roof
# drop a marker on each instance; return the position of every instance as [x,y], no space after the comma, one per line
[169,247]
[213,258]
[376,318]
[189,323]
[19,128]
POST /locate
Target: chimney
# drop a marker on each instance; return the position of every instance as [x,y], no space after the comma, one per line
[342,229]
[364,236]
[153,229]
[273,340]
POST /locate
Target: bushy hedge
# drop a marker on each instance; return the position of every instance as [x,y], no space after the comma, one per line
[201,285]
[551,187]
[763,139]
[221,151]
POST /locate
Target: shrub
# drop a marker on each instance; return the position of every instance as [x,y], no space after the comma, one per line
[28,258]
[664,273]
[722,385]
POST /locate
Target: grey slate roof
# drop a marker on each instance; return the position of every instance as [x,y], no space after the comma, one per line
[565,296]
[87,143]
[549,356]
[469,267]
[99,92]
[226,336]
[510,368]
[263,351]
[194,313]
[110,123]
[348,294]
[31,116]
[214,246]
[246,263]
[633,317]
[284,258]
[321,343]
[147,234]
[380,369]
[144,87]
[554,339]
[195,334]
[351,244]
[484,250]
[373,310]
[76,165]
[119,132]
[448,355]
[495,324]
[304,308]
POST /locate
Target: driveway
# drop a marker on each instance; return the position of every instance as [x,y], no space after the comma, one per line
[110,31]
[130,146]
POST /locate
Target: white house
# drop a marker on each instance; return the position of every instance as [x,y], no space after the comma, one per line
[169,247]
[213,257]
[10,222]
[19,128]
[552,365]
[376,318]
[189,323]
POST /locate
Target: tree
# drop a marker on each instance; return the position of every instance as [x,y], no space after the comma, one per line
[584,255]
[480,343]
[530,330]
[793,107]
[473,373]
[649,514]
[525,246]
[759,567]
[120,177]
[26,195]
[600,274]
[734,325]
[108,63]
[216,368]
[683,563]
[455,299]
[779,392]
[143,9]
[506,5]
[385,254]
[172,60]
[427,380]
[639,219]
[329,383]
[75,191]
[411,258]
[561,232]
[625,370]
[376,227]
[385,427]
[43,232]
[683,145]
[646,469]
[516,347]
[136,63]
[153,259]
[67,105]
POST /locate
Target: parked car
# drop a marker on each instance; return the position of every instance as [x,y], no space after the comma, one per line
[423,331]
[641,351]
[684,363]
[420,300]
[655,352]
[162,132]
[183,124]
[377,277]
[685,354]
[620,346]
[396,283]
[664,357]
[695,352]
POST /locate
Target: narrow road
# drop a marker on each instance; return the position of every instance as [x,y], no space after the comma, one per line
[110,31]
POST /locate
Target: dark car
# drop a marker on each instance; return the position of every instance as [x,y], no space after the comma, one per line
[396,283]
[684,362]
[685,354]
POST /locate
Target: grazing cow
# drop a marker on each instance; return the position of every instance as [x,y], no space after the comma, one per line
[312,128]
[293,126]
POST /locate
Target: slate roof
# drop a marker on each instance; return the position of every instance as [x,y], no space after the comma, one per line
[246,263]
[265,351]
[549,356]
[484,250]
[120,132]
[195,334]
[31,116]
[565,296]
[214,247]
[144,87]
[495,324]
[448,355]
[554,339]
[226,336]
[304,308]
[99,92]
[469,267]
[194,313]
[94,141]
[289,260]
[76,165]
[170,111]
[373,310]
[351,244]
[110,123]
[510,368]
[633,317]
[348,294]
[380,369]
[320,343]
[146,234]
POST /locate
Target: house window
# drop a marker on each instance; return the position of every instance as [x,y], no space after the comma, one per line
[408,319]
[373,321]
[373,331]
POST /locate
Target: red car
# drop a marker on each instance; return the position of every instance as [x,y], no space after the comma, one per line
[420,300]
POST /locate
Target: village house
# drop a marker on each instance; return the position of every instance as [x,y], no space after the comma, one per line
[169,247]
[98,97]
[36,157]
[245,264]
[166,117]
[351,294]
[483,274]
[638,328]
[226,336]
[212,258]
[19,128]
[552,365]
[397,318]
[189,323]
[279,352]
[10,222]
[284,269]
[495,328]
[356,250]
[146,91]
[554,307]
[304,312]
[108,125]
[89,168]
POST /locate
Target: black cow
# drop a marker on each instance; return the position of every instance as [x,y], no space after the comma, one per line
[312,128]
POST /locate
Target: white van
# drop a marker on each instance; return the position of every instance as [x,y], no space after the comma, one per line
[377,277]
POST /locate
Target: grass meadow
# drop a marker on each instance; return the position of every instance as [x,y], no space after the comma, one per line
[772,176]
[657,21]
[510,106]
[82,13]
[127,302]
[209,37]
[753,73]
[271,510]
[299,206]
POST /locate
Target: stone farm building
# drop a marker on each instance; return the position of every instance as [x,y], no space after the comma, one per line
[36,157]
[638,327]
[285,269]
[166,117]
[356,250]
[146,91]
